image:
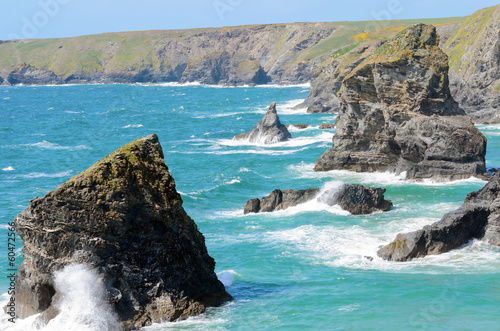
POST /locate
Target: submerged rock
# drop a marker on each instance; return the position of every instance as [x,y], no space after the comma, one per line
[124,219]
[327,126]
[478,218]
[356,199]
[299,126]
[397,115]
[268,131]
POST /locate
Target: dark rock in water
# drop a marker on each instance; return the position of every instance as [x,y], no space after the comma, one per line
[478,218]
[268,131]
[356,199]
[327,126]
[124,218]
[299,126]
[280,200]
[397,115]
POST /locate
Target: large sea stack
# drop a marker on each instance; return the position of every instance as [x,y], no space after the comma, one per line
[123,218]
[397,115]
[268,131]
[478,218]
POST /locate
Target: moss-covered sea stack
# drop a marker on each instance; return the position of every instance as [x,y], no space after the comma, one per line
[124,218]
[397,115]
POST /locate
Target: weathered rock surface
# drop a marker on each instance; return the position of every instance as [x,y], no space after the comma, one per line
[356,199]
[225,68]
[268,131]
[474,52]
[327,78]
[397,115]
[124,218]
[478,218]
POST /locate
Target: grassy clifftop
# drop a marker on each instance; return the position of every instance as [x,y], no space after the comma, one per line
[287,52]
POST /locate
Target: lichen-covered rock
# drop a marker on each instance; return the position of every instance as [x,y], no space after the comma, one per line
[268,131]
[356,199]
[474,52]
[327,126]
[478,218]
[397,115]
[124,218]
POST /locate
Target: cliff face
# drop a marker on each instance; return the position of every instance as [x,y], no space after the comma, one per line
[123,218]
[397,115]
[235,55]
[478,218]
[474,52]
[327,78]
[255,54]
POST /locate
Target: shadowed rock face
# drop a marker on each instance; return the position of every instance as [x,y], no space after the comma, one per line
[124,218]
[478,218]
[356,199]
[268,131]
[397,115]
[474,52]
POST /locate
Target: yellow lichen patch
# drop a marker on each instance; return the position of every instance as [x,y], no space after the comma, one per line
[123,39]
[147,41]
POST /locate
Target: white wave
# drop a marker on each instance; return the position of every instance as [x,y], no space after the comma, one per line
[224,183]
[323,137]
[171,84]
[293,129]
[349,308]
[9,168]
[488,126]
[252,171]
[227,277]
[83,304]
[51,146]
[288,108]
[305,85]
[73,112]
[6,98]
[201,322]
[133,126]
[254,151]
[306,170]
[45,175]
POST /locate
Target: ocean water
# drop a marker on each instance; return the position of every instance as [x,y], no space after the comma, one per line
[302,268]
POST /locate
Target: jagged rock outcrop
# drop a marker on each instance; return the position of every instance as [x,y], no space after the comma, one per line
[478,218]
[268,131]
[124,218]
[225,68]
[474,52]
[356,199]
[397,115]
[327,78]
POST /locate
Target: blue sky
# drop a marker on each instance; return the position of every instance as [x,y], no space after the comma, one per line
[66,18]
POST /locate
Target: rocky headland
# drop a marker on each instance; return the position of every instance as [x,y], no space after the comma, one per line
[268,131]
[356,199]
[124,219]
[397,115]
[478,218]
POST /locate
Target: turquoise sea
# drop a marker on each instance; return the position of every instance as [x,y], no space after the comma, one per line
[302,268]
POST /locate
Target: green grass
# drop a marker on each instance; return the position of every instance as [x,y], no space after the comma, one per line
[465,38]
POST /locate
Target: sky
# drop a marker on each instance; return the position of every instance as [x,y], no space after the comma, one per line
[26,19]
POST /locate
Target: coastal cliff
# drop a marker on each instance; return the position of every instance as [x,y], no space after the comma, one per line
[240,55]
[397,115]
[124,219]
